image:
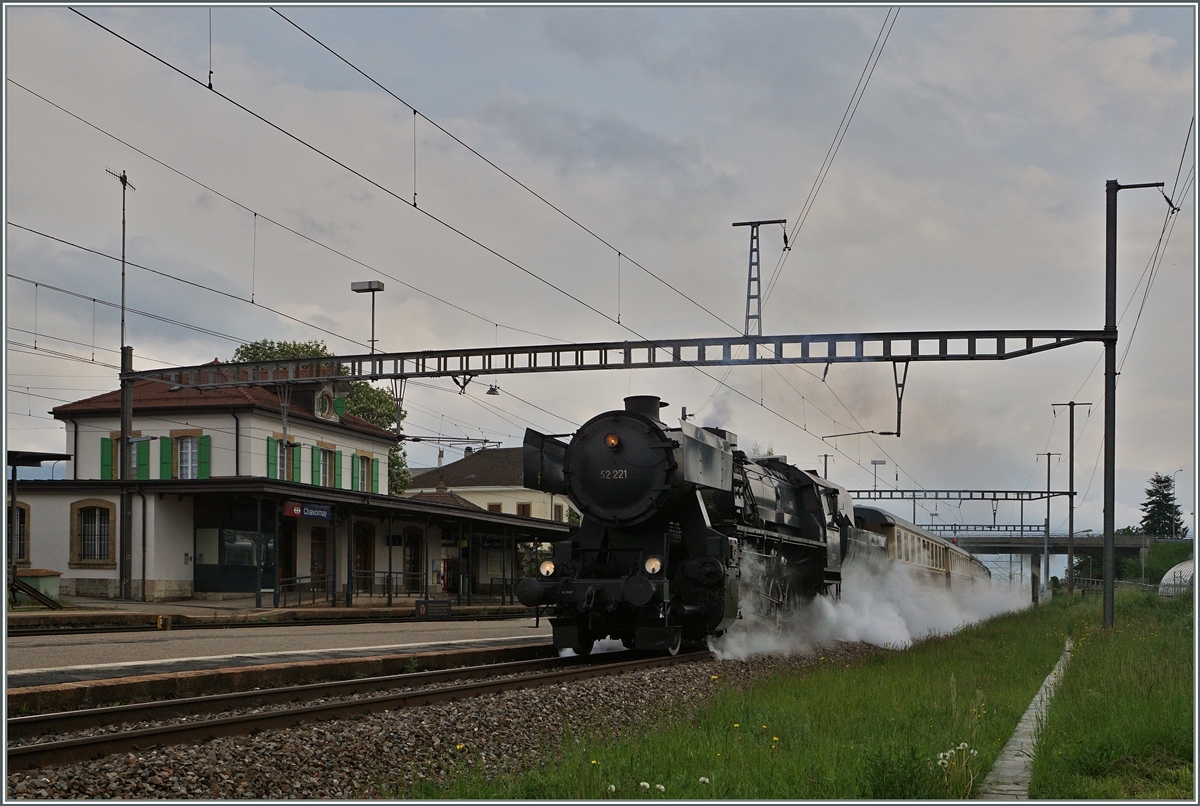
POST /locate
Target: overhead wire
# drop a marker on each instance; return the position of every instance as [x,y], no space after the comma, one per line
[282,226]
[444,223]
[531,191]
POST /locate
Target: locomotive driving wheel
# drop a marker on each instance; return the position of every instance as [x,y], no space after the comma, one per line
[789,606]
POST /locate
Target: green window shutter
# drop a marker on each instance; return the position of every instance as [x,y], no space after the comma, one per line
[375,475]
[166,456]
[296,463]
[339,406]
[337,469]
[106,458]
[272,459]
[316,465]
[143,460]
[354,472]
[205,469]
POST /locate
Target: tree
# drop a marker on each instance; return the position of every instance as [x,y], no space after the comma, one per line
[1160,514]
[373,405]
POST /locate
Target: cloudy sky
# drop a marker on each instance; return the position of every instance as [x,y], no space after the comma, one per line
[967,191]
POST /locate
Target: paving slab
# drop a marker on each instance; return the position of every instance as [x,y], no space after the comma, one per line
[1009,777]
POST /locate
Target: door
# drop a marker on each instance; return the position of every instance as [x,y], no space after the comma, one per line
[411,564]
[287,553]
[364,557]
[316,565]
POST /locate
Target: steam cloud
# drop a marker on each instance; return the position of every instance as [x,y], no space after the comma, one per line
[887,606]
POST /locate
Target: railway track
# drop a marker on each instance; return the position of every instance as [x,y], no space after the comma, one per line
[421,688]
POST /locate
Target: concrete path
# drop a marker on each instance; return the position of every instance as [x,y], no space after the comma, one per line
[1009,776]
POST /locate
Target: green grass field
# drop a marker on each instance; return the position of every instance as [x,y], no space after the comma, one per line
[1122,728]
[1121,723]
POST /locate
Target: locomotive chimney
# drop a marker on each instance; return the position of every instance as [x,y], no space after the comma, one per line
[645,405]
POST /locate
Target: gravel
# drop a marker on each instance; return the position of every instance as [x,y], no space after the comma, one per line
[387,753]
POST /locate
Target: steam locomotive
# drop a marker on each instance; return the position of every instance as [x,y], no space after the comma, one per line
[670,519]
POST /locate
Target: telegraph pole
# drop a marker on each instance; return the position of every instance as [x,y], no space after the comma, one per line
[1110,386]
[1046,539]
[754,279]
[1071,498]
[124,450]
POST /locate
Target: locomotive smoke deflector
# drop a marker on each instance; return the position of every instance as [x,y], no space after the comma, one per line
[542,463]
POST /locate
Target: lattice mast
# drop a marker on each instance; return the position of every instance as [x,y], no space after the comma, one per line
[754,276]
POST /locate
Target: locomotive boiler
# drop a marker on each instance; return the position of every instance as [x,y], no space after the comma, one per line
[671,518]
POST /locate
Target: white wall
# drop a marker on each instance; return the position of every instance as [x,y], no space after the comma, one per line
[221,427]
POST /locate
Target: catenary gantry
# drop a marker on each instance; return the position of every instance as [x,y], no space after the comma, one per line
[464,364]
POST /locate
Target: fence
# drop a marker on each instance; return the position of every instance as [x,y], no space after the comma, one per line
[295,591]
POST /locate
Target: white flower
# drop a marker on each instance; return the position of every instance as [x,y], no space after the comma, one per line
[704,780]
[950,753]
[612,788]
[963,746]
[974,752]
[660,787]
[943,764]
[645,785]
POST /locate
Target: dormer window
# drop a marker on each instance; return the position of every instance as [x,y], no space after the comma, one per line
[324,405]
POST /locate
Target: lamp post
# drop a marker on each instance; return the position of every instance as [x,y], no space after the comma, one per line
[1173,475]
[369,287]
[875,463]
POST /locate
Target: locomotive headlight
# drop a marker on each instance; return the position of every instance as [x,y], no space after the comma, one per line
[653,565]
[546,568]
[611,441]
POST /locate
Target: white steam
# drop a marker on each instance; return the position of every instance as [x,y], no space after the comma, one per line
[887,606]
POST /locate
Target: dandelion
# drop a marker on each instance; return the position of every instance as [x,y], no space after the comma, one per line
[660,787]
[736,725]
[714,677]
[645,785]
[612,788]
[943,764]
[774,738]
[459,746]
[595,762]
[963,746]
[974,752]
[703,780]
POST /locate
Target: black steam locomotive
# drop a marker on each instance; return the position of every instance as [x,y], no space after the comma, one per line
[671,518]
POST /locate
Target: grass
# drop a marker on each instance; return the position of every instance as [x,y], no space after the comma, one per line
[871,730]
[1121,722]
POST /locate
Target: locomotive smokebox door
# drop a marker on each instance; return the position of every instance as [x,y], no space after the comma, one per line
[620,467]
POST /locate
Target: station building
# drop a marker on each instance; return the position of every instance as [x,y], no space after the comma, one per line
[491,479]
[233,492]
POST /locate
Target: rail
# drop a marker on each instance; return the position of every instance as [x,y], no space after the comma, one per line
[30,756]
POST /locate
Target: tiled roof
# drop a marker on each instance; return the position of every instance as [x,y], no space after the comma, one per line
[151,396]
[450,499]
[491,467]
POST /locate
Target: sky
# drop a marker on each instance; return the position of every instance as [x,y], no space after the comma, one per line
[965,192]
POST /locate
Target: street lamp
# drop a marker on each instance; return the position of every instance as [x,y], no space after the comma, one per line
[875,463]
[1173,475]
[369,287]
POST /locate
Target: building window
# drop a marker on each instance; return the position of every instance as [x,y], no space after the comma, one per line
[189,458]
[93,534]
[326,459]
[20,551]
[558,512]
[525,510]
[283,461]
[495,507]
[364,473]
